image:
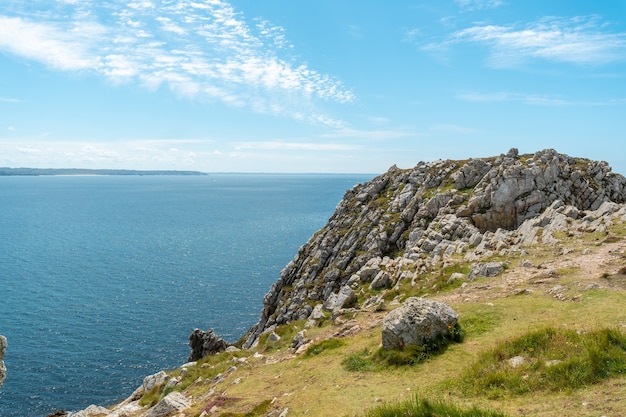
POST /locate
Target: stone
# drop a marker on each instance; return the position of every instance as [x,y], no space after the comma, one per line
[343,299]
[382,280]
[154,380]
[3,369]
[204,344]
[486,269]
[516,361]
[416,322]
[92,411]
[273,337]
[173,402]
[299,340]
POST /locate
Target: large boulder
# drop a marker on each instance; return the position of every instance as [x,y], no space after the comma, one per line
[416,322]
[204,344]
[3,347]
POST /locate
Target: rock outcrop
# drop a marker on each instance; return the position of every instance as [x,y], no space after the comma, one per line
[204,344]
[3,369]
[417,322]
[414,219]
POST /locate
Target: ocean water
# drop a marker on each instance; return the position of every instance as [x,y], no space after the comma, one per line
[102,278]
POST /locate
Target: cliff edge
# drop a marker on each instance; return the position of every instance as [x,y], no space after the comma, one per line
[423,215]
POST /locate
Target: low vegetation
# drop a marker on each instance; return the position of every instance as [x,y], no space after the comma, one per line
[553,359]
[418,407]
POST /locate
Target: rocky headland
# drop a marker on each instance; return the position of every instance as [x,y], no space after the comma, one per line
[405,254]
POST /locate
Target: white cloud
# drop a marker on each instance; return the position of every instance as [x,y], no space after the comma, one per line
[64,49]
[197,49]
[579,40]
[471,5]
[534,99]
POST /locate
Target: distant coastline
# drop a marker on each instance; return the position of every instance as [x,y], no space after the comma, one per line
[5,171]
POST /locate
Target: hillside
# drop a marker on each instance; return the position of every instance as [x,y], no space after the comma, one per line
[522,247]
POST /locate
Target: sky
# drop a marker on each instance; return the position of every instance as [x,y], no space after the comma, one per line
[329,86]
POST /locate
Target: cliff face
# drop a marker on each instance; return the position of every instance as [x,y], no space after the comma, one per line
[406,222]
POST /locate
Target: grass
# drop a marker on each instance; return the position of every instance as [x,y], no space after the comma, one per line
[417,407]
[324,345]
[554,359]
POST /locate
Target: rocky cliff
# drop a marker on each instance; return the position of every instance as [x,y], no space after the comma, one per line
[408,221]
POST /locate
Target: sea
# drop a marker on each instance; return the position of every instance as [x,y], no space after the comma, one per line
[103,278]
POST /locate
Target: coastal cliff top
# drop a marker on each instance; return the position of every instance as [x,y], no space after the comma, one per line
[517,245]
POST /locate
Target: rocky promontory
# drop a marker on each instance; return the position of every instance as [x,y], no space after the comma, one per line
[406,222]
[491,246]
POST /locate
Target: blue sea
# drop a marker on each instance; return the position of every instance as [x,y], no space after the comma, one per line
[102,278]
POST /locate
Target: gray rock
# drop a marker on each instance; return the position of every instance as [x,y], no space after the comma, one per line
[486,269]
[92,411]
[3,369]
[273,337]
[154,380]
[204,344]
[343,299]
[299,340]
[173,402]
[417,322]
[382,280]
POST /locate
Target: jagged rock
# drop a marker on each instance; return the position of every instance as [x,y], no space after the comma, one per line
[154,380]
[416,322]
[382,280]
[299,340]
[3,369]
[92,411]
[273,337]
[486,269]
[204,344]
[343,299]
[173,402]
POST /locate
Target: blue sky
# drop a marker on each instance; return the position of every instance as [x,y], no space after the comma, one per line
[308,86]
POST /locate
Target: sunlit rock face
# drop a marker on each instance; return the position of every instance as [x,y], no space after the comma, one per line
[406,221]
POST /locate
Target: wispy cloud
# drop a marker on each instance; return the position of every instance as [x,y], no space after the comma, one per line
[534,99]
[471,5]
[9,100]
[579,40]
[198,49]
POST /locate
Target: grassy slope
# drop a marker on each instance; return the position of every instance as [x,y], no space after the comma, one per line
[491,310]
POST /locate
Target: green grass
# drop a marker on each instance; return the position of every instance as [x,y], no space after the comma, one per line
[481,320]
[417,407]
[554,360]
[320,347]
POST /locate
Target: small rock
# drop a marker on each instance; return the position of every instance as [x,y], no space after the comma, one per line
[516,361]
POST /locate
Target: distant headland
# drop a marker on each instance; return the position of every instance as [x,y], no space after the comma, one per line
[5,171]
